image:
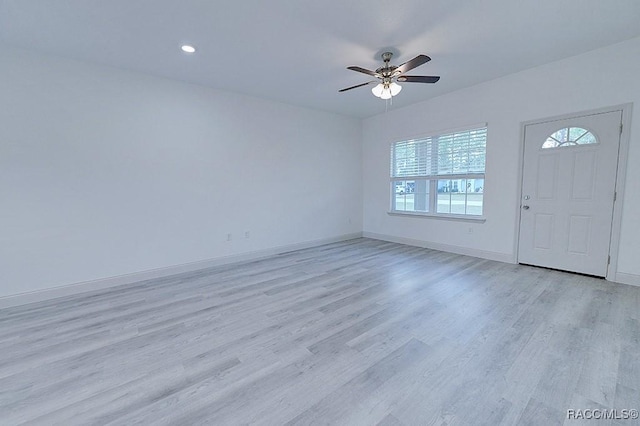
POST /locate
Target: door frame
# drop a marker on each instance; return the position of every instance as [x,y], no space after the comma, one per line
[621,174]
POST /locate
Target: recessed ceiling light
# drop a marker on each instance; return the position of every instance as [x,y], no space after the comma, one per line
[188,48]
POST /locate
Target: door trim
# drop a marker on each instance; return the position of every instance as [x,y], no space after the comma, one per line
[621,174]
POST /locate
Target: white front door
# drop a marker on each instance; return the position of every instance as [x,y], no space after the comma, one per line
[568,190]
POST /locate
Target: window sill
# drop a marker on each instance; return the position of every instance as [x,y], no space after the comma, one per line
[455,217]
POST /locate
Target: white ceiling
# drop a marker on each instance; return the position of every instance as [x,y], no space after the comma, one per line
[297,51]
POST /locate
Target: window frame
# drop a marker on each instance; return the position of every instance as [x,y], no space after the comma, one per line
[432,179]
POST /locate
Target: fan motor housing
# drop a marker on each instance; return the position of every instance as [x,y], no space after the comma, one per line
[386,71]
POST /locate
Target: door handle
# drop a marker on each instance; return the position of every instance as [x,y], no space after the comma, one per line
[525,207]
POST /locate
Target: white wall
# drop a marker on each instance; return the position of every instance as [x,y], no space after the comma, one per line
[105,172]
[601,78]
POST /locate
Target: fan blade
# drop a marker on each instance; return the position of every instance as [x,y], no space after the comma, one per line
[362,70]
[418,78]
[415,62]
[356,86]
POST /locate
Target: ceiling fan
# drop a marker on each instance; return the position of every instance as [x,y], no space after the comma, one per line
[388,75]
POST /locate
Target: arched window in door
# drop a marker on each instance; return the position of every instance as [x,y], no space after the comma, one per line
[569,136]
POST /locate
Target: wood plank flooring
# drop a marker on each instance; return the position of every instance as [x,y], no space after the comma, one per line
[361,332]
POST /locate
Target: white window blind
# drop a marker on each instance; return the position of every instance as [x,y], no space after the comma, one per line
[441,174]
[457,153]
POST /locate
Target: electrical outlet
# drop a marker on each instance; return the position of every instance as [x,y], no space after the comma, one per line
[247,234]
[470,230]
[229,237]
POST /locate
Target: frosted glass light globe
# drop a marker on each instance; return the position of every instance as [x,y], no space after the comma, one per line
[377,91]
[395,88]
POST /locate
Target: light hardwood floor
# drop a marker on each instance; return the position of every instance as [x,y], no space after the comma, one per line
[361,332]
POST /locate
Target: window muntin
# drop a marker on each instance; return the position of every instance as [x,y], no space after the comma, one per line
[569,136]
[440,175]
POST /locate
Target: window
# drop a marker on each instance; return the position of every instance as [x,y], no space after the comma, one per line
[439,175]
[569,136]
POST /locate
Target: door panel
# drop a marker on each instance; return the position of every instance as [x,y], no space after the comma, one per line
[584,177]
[547,177]
[543,231]
[568,191]
[579,232]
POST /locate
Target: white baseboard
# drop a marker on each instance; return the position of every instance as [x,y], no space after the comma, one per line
[99,284]
[630,279]
[483,254]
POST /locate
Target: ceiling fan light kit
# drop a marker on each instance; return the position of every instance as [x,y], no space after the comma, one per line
[388,75]
[386,91]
